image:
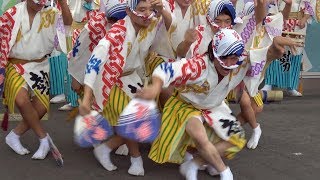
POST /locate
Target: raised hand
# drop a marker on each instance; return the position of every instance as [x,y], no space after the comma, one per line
[157,5]
[302,23]
[190,36]
[280,42]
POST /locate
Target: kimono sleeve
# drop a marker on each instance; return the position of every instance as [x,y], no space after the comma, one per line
[86,41]
[255,72]
[185,71]
[309,7]
[60,41]
[95,64]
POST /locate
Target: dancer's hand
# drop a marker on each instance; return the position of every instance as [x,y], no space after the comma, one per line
[277,48]
[148,93]
[151,91]
[157,5]
[190,36]
[302,22]
[281,42]
[84,107]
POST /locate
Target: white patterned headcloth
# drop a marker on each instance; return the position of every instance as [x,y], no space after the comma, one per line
[116,9]
[248,8]
[228,42]
[132,4]
[216,7]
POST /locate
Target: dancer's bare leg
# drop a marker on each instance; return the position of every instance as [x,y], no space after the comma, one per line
[249,111]
[23,126]
[206,150]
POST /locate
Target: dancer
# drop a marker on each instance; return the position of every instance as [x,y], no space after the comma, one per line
[116,70]
[26,67]
[285,72]
[197,114]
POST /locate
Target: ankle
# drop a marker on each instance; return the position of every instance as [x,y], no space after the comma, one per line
[13,134]
[257,128]
[136,159]
[226,172]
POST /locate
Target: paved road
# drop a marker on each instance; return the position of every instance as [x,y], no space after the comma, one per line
[288,149]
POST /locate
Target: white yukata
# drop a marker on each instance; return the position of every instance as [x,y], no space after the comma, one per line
[258,38]
[194,16]
[199,71]
[86,41]
[30,43]
[89,37]
[81,16]
[119,61]
[196,79]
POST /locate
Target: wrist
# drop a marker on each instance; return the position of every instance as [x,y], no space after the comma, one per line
[187,43]
[161,10]
[157,84]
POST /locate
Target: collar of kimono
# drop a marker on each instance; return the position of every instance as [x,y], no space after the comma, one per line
[40,2]
[216,7]
[228,42]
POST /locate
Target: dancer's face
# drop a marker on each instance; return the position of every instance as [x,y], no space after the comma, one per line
[223,21]
[143,14]
[227,61]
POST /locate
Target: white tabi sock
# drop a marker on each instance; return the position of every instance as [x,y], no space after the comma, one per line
[122,150]
[43,149]
[254,140]
[136,167]
[226,174]
[188,156]
[13,141]
[189,170]
[102,153]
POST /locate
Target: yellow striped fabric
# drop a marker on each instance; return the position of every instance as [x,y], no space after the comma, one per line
[44,98]
[118,100]
[13,83]
[232,96]
[172,132]
[173,141]
[152,61]
[258,100]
